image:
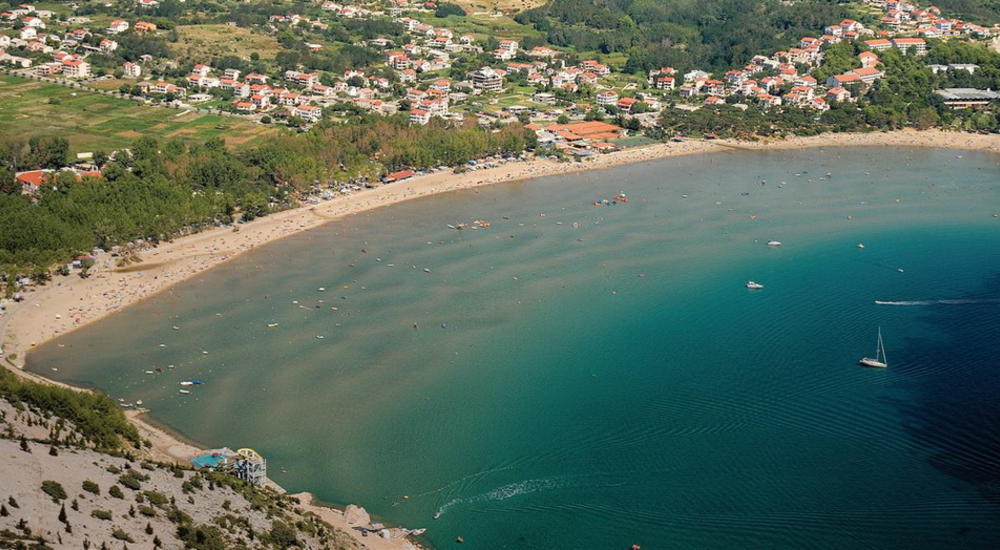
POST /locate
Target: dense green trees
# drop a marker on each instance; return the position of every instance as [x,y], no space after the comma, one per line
[838,59]
[96,416]
[157,189]
[987,75]
[444,10]
[712,34]
[984,12]
[347,56]
[732,122]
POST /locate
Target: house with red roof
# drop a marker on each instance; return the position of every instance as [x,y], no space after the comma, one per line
[918,45]
[310,113]
[32,180]
[843,80]
[838,93]
[867,74]
[117,26]
[607,97]
[626,104]
[868,59]
[665,83]
[878,44]
[419,116]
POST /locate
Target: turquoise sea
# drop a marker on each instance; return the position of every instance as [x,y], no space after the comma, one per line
[596,377]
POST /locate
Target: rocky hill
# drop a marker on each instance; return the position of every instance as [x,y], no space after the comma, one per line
[75,473]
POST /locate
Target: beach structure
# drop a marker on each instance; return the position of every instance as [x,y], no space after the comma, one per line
[398,176]
[246,464]
[965,98]
[251,467]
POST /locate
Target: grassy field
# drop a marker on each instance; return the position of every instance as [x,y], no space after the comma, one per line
[634,141]
[484,27]
[91,121]
[505,6]
[200,43]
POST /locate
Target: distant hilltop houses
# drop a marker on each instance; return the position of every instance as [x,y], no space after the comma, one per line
[503,78]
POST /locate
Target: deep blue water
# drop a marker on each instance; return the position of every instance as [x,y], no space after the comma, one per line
[585,377]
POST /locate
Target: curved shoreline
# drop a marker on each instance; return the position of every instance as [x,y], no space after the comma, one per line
[70,303]
[109,289]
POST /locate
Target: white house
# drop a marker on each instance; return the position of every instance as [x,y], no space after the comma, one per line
[117,26]
[131,70]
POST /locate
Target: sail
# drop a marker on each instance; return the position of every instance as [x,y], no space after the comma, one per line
[880,348]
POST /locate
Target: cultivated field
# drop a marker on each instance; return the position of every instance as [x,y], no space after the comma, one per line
[505,6]
[200,43]
[91,121]
[484,27]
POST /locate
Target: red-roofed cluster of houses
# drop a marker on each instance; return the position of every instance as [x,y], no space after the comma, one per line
[928,23]
[765,75]
[781,70]
[579,137]
[781,78]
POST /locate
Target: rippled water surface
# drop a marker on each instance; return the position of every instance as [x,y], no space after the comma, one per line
[595,377]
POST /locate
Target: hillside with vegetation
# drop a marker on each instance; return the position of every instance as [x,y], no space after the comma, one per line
[76,475]
[985,11]
[684,34]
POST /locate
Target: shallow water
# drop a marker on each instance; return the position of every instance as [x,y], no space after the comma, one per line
[594,377]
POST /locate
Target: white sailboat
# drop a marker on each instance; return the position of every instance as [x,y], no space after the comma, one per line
[880,360]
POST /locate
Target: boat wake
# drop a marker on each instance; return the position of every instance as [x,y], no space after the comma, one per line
[960,301]
[525,487]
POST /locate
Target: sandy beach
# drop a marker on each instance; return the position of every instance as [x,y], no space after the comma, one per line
[68,303]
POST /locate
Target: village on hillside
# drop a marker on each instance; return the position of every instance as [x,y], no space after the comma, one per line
[422,71]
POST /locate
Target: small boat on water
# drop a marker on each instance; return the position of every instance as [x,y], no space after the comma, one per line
[754,285]
[185,392]
[437,515]
[861,245]
[773,243]
[880,360]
